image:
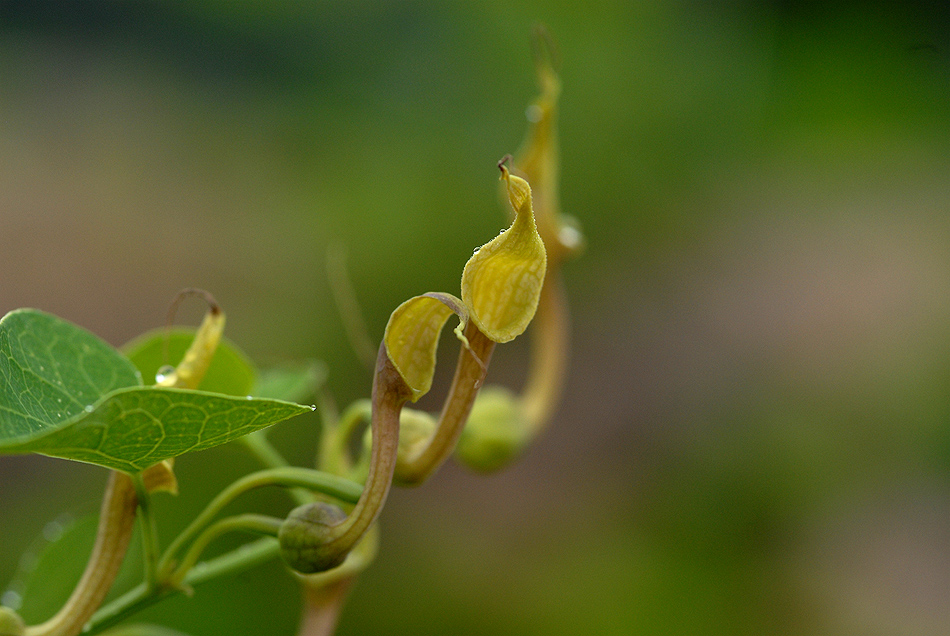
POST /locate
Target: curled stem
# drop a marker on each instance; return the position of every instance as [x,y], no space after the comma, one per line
[389,395]
[331,485]
[470,372]
[259,524]
[116,521]
[319,537]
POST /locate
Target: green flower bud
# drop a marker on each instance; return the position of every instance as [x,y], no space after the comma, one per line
[307,538]
[496,433]
[415,430]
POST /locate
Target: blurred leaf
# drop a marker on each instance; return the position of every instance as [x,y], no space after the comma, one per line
[142,629]
[131,429]
[230,371]
[50,370]
[56,566]
[295,382]
[54,571]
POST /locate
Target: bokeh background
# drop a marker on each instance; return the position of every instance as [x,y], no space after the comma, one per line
[755,437]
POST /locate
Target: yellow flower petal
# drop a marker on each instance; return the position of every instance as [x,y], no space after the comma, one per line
[412,337]
[502,281]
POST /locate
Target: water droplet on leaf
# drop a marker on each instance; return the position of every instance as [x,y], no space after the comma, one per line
[163,372]
[88,408]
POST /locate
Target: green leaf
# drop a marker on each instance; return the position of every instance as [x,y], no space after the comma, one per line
[293,381]
[230,371]
[50,370]
[66,393]
[56,562]
[132,429]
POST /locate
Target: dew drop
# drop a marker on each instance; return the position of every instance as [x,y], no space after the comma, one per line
[248,397]
[533,113]
[163,373]
[88,408]
[570,237]
[313,407]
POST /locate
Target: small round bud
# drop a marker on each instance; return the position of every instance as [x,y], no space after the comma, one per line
[305,538]
[496,432]
[10,623]
[415,430]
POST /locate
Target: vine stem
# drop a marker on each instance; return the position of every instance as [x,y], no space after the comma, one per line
[116,521]
[149,532]
[469,376]
[260,524]
[550,342]
[322,607]
[332,485]
[138,598]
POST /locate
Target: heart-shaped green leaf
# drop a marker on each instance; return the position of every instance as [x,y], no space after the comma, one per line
[131,429]
[50,370]
[66,393]
[230,371]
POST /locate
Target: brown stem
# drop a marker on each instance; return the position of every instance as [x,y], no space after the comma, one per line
[322,606]
[116,521]
[390,393]
[470,374]
[550,342]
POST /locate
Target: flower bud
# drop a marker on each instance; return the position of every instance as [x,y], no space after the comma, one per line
[306,538]
[496,432]
[502,281]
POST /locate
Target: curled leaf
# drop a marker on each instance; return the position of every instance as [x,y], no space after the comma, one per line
[412,337]
[502,281]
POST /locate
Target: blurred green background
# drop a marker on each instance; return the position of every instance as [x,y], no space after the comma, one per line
[755,437]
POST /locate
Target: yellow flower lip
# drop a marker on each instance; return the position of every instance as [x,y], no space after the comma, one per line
[412,337]
[502,281]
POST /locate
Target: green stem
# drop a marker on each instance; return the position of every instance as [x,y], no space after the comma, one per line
[470,374]
[260,524]
[149,532]
[270,457]
[325,483]
[137,599]
[263,450]
[335,445]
